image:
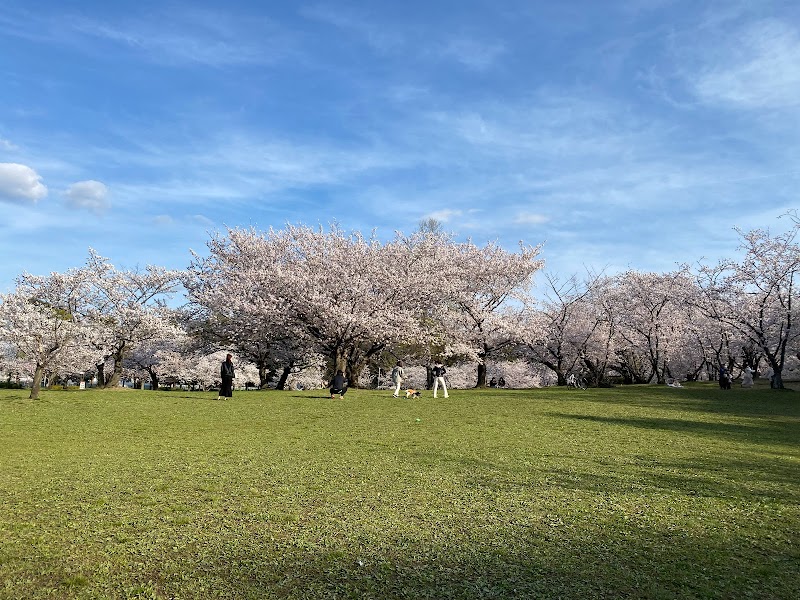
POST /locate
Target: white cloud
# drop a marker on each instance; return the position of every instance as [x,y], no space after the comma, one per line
[444,215]
[6,145]
[163,220]
[531,219]
[20,183]
[760,69]
[88,195]
[203,220]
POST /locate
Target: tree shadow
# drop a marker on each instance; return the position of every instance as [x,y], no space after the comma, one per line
[726,430]
[738,402]
[544,558]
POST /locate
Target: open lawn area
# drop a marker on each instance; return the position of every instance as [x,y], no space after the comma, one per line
[635,492]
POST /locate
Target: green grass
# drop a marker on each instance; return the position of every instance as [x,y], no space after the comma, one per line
[638,492]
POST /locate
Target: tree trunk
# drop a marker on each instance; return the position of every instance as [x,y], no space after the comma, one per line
[264,374]
[116,375]
[37,382]
[481,375]
[776,381]
[153,379]
[339,357]
[354,371]
[281,385]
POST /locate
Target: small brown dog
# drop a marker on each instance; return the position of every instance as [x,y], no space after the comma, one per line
[412,393]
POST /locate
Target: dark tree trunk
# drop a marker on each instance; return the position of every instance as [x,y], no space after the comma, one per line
[153,378]
[265,373]
[37,382]
[481,375]
[281,385]
[101,375]
[776,381]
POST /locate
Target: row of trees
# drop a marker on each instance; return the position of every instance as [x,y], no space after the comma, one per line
[304,300]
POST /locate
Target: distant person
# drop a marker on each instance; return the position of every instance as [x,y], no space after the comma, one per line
[226,373]
[493,382]
[338,384]
[397,378]
[501,382]
[438,371]
[747,377]
[724,378]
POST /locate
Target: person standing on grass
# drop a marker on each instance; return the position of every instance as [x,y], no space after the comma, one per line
[227,375]
[438,371]
[724,378]
[397,378]
[747,377]
[338,384]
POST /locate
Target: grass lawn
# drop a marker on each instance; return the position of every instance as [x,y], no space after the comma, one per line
[637,492]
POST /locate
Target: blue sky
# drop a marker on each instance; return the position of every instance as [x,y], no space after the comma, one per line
[630,134]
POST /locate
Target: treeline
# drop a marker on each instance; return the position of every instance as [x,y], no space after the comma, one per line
[301,299]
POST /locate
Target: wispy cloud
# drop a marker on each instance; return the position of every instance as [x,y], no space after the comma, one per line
[531,219]
[7,145]
[472,53]
[377,35]
[445,215]
[759,69]
[194,37]
[163,220]
[203,220]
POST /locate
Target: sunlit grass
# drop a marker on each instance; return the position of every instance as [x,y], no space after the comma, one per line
[644,492]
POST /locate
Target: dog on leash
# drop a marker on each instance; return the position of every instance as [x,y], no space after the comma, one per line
[412,393]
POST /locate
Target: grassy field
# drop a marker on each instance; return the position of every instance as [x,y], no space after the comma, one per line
[638,492]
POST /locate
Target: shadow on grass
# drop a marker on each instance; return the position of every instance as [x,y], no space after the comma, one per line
[763,430]
[707,398]
[547,559]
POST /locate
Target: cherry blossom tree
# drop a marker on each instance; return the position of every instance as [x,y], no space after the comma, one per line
[44,321]
[351,298]
[127,308]
[559,329]
[486,290]
[754,295]
[650,321]
[163,355]
[336,293]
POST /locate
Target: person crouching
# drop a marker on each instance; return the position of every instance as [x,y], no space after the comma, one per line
[338,384]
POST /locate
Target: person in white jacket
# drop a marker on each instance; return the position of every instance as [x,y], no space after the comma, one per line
[397,377]
[438,371]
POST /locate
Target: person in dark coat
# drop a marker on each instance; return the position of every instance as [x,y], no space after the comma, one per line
[338,384]
[724,379]
[226,373]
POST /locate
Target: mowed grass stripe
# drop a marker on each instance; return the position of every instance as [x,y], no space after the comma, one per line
[644,492]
